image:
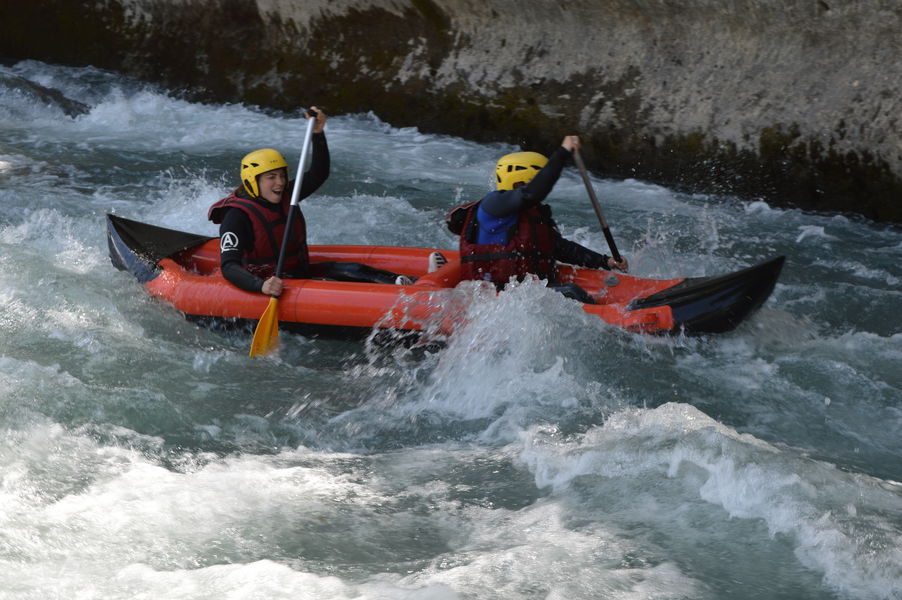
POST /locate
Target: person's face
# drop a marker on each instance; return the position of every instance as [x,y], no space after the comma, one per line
[271,185]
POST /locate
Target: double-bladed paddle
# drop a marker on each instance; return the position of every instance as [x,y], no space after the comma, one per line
[266,336]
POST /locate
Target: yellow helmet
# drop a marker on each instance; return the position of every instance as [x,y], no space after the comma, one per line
[518,168]
[259,162]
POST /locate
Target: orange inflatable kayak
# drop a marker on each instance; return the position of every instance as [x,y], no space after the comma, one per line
[183,269]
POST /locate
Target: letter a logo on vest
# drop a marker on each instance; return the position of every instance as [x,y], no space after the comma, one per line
[228,242]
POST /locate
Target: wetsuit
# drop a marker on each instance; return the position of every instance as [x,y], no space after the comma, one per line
[499,211]
[237,228]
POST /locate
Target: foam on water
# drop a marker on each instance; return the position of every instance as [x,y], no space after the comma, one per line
[62,242]
[538,551]
[514,359]
[881,276]
[539,453]
[815,232]
[858,556]
[112,521]
[509,341]
[369,220]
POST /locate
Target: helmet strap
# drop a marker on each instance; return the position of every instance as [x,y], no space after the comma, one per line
[249,188]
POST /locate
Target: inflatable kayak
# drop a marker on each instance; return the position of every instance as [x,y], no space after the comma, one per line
[183,270]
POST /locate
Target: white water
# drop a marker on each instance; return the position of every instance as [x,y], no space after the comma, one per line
[540,454]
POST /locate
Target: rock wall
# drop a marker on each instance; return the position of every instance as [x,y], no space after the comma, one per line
[795,101]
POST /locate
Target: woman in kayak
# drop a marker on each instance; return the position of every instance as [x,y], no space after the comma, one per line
[511,233]
[252,222]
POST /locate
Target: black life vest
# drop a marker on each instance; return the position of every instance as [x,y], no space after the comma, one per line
[529,249]
[269,229]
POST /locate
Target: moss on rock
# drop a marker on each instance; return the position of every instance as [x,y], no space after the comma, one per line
[707,102]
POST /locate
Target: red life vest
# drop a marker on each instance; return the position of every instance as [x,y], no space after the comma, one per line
[529,249]
[269,229]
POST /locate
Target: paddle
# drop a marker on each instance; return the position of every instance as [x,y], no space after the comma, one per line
[578,159]
[266,336]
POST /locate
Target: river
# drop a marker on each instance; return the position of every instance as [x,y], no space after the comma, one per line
[539,454]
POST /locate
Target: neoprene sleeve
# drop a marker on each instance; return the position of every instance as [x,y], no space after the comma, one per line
[508,203]
[236,222]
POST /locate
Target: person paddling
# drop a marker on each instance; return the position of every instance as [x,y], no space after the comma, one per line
[510,232]
[252,222]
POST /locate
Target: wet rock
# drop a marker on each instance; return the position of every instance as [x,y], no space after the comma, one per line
[30,91]
[786,101]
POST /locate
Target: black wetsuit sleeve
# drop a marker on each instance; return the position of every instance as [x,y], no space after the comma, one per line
[320,166]
[572,253]
[235,236]
[540,186]
[508,203]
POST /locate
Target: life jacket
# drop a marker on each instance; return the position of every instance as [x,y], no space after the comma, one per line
[269,229]
[529,249]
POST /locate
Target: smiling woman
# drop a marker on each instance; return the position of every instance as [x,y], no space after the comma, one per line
[272,183]
[254,218]
[254,230]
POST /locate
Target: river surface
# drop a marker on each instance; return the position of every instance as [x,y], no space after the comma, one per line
[538,454]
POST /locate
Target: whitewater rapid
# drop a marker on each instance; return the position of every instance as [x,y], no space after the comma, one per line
[538,454]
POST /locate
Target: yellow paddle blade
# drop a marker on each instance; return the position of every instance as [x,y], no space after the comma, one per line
[266,336]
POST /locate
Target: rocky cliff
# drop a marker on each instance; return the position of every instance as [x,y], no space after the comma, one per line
[795,101]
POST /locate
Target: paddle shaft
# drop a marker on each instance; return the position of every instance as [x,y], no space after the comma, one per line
[296,192]
[266,335]
[578,159]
